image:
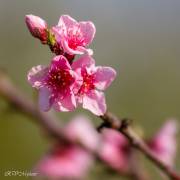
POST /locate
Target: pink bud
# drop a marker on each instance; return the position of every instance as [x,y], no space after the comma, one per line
[37,27]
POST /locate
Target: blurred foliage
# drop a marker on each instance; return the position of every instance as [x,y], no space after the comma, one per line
[140,39]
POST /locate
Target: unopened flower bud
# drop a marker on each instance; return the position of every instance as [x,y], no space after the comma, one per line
[37,27]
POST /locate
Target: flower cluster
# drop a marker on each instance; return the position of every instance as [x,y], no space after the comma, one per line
[66,83]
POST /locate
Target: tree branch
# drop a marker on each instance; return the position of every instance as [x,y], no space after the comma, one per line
[123,126]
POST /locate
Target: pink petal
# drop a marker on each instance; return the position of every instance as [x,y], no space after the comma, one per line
[36,75]
[95,102]
[65,102]
[78,82]
[88,30]
[57,31]
[104,77]
[164,143]
[61,62]
[69,50]
[67,21]
[44,99]
[65,162]
[83,61]
[82,130]
[114,151]
[84,50]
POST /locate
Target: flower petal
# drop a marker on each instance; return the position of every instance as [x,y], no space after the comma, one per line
[66,162]
[95,102]
[67,21]
[164,143]
[81,129]
[84,50]
[60,62]
[104,77]
[65,102]
[114,150]
[88,30]
[44,99]
[83,61]
[57,32]
[69,50]
[36,75]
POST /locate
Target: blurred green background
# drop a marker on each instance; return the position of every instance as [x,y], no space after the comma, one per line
[139,38]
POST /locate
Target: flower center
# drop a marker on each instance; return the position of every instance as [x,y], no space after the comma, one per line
[75,38]
[88,82]
[59,79]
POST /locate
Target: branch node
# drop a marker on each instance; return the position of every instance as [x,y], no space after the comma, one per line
[125,123]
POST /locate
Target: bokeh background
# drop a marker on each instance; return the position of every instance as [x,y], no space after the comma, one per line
[139,38]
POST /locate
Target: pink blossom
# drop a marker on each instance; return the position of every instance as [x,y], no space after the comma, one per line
[37,27]
[55,84]
[64,161]
[70,160]
[81,129]
[115,150]
[94,81]
[74,36]
[164,142]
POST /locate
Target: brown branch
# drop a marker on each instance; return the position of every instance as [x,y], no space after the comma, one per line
[122,125]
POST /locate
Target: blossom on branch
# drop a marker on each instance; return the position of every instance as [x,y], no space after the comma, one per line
[115,150]
[95,79]
[67,38]
[65,84]
[74,36]
[55,85]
